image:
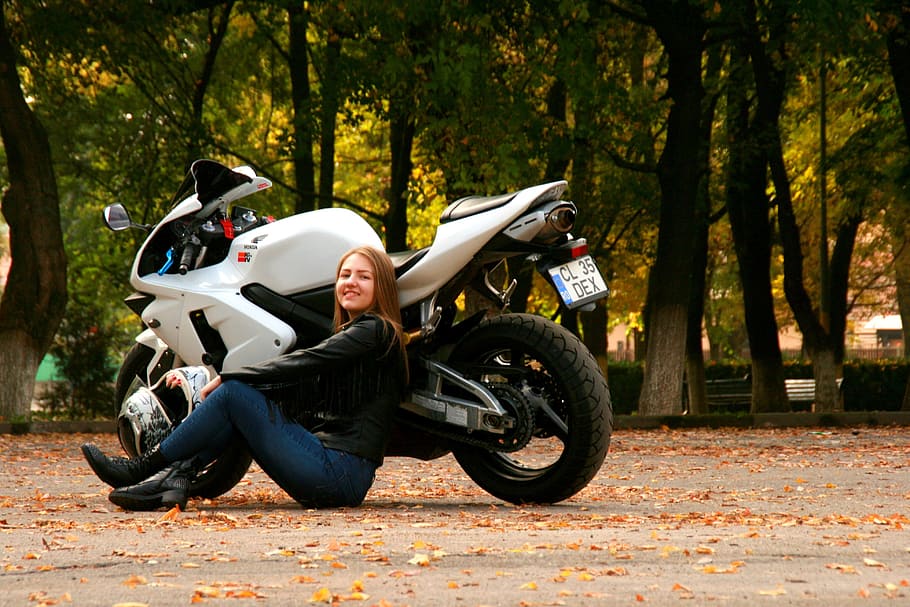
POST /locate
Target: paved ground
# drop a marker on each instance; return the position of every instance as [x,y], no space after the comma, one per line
[691,517]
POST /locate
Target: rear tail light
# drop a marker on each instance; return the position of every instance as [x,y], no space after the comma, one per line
[579,250]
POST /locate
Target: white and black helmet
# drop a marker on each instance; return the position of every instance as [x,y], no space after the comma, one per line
[148,415]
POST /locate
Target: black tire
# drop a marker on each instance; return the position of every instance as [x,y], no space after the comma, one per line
[554,370]
[217,478]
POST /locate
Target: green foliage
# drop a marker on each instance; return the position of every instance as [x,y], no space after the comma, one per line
[735,370]
[82,349]
[625,381]
[867,386]
[875,385]
[502,95]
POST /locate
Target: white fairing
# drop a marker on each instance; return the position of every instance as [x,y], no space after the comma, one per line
[302,251]
[458,241]
[288,256]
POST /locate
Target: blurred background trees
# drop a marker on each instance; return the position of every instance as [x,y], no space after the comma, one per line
[740,167]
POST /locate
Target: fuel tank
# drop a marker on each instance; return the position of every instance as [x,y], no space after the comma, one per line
[300,252]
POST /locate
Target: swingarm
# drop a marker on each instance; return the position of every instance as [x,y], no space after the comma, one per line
[485,413]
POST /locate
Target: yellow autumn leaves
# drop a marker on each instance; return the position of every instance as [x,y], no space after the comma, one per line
[324,595]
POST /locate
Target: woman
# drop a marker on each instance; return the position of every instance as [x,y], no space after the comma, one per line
[316,420]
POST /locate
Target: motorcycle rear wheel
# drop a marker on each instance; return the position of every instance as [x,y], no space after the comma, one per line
[217,478]
[573,415]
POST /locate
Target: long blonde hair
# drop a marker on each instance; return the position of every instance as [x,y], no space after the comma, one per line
[385,303]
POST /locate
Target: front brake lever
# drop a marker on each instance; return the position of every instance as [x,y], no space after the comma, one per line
[167,264]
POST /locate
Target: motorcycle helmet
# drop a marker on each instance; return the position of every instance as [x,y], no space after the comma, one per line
[142,422]
[149,415]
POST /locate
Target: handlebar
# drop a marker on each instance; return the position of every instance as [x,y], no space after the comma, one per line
[187,259]
[192,238]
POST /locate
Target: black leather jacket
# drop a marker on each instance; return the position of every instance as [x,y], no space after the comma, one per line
[346,388]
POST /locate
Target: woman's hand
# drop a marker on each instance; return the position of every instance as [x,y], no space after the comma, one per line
[172,379]
[209,387]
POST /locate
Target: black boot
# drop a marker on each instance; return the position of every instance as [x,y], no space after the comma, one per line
[167,488]
[123,471]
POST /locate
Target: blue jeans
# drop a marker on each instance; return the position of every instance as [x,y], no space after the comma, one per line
[292,456]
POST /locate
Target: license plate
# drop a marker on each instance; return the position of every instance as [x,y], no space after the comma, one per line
[579,282]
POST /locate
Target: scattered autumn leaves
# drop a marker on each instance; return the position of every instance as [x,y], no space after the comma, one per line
[700,502]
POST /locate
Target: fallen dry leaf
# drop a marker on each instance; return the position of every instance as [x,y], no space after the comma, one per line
[208,592]
[172,514]
[135,580]
[323,595]
[354,596]
[683,529]
[243,594]
[842,568]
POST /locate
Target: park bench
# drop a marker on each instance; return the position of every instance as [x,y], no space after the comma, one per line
[730,392]
[803,390]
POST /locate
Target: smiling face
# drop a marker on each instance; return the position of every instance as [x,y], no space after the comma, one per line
[356,284]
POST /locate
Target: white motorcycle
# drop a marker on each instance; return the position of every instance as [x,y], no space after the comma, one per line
[518,400]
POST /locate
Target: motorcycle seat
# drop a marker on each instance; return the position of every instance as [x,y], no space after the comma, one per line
[471,205]
[405,260]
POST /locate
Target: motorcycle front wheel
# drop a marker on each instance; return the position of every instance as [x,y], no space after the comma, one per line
[569,400]
[217,478]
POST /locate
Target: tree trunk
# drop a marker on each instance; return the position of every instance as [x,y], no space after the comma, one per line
[525,277]
[823,338]
[197,135]
[299,70]
[569,320]
[558,148]
[34,299]
[681,30]
[748,209]
[594,331]
[697,392]
[825,369]
[901,248]
[594,324]
[841,258]
[898,40]
[330,104]
[695,356]
[401,136]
